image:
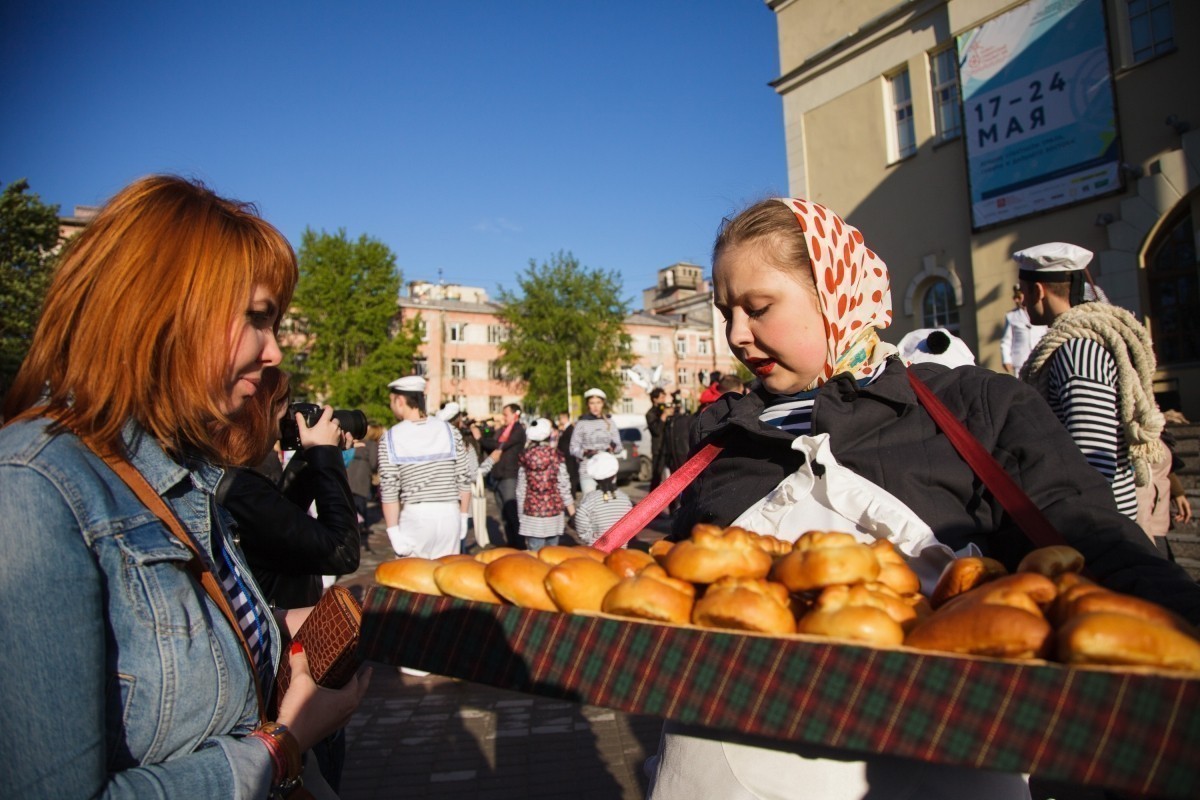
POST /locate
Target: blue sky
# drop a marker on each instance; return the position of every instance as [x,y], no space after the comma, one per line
[468,136]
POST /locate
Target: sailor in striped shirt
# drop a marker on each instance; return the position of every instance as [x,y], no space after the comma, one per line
[424,477]
[1094,366]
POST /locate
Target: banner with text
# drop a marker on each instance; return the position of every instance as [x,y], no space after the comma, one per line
[1038,111]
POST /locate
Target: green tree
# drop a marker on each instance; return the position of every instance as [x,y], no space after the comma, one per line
[345,306]
[28,235]
[564,311]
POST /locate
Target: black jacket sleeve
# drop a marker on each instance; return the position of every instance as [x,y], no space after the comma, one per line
[275,529]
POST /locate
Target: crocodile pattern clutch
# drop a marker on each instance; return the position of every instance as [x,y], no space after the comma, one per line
[330,637]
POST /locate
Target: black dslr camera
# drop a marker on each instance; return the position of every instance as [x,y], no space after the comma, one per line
[353,422]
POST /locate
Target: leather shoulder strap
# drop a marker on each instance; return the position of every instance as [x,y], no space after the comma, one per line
[196,565]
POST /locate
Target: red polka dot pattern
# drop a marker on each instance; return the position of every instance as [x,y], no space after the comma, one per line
[852,281]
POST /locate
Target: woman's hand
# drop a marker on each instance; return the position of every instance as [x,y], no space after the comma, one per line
[1181,509]
[324,431]
[311,712]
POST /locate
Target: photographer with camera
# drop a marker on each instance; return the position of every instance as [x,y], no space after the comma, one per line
[287,550]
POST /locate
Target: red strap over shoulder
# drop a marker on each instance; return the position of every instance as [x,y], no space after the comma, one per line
[1028,516]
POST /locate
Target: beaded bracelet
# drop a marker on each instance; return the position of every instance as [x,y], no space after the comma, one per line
[284,750]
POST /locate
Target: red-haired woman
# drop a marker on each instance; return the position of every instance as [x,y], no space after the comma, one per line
[121,672]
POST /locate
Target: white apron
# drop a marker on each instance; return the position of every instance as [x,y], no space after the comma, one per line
[691,763]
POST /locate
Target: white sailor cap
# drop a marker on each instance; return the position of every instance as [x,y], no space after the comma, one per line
[595,393]
[409,383]
[937,345]
[601,466]
[448,411]
[539,431]
[1053,262]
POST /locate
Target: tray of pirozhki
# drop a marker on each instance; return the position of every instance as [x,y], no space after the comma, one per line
[827,641]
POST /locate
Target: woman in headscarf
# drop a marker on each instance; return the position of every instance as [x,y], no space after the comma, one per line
[803,299]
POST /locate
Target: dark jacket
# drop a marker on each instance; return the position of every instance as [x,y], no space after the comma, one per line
[881,433]
[510,451]
[287,550]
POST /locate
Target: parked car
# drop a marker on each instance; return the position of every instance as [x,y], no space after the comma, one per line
[634,461]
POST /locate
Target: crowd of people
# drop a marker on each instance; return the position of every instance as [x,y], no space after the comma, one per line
[148,491]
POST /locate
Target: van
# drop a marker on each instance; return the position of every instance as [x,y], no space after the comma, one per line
[634,461]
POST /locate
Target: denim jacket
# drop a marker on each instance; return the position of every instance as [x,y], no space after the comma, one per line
[118,676]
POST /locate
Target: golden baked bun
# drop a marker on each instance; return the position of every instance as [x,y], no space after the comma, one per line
[465,580]
[856,623]
[894,571]
[579,584]
[557,553]
[745,604]
[659,549]
[627,563]
[446,559]
[651,594]
[713,553]
[410,574]
[1104,600]
[983,630]
[964,574]
[772,545]
[874,595]
[520,580]
[1052,561]
[1108,638]
[494,553]
[825,558]
[1027,591]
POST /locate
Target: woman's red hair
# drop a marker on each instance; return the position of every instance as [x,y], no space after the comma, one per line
[137,320]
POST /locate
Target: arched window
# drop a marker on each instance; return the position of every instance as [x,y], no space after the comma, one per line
[937,306]
[1171,281]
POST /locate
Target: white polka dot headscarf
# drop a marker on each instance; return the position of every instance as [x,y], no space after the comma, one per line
[853,290]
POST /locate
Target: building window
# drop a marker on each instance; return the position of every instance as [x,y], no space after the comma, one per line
[497,334]
[625,405]
[423,329]
[1171,276]
[682,377]
[458,368]
[903,132]
[420,366]
[938,309]
[495,371]
[655,344]
[702,347]
[681,347]
[1150,29]
[943,68]
[457,332]
[495,404]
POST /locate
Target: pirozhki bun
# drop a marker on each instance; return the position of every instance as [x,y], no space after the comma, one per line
[520,580]
[1027,591]
[1052,561]
[825,558]
[580,584]
[713,553]
[875,595]
[983,630]
[651,594]
[627,563]
[1108,638]
[410,574]
[855,623]
[465,580]
[894,571]
[557,553]
[745,604]
[964,574]
[494,553]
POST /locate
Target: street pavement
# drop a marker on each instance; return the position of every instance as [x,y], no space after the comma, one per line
[439,737]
